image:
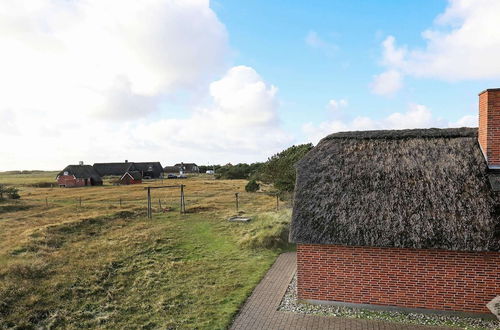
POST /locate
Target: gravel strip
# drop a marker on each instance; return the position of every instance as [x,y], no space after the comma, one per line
[290,304]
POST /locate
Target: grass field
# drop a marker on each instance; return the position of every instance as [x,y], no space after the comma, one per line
[105,265]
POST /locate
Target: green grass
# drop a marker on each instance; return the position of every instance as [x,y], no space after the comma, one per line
[112,268]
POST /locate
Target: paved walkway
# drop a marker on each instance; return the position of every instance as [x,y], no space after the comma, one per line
[260,310]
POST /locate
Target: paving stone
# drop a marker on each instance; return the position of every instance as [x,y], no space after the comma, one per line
[260,311]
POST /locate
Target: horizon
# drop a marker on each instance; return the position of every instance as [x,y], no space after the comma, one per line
[96,82]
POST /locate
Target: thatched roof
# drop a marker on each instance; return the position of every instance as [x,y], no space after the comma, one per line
[171,169]
[82,172]
[188,167]
[118,169]
[409,188]
[135,175]
[154,169]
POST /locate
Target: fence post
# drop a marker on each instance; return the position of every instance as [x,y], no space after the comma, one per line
[80,201]
[277,202]
[237,201]
[159,203]
[46,202]
[182,199]
[120,202]
[149,203]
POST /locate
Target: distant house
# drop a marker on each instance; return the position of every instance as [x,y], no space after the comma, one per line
[188,168]
[148,170]
[78,176]
[113,169]
[407,219]
[175,170]
[131,177]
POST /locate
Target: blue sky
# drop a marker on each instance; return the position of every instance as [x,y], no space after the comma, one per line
[271,37]
[232,81]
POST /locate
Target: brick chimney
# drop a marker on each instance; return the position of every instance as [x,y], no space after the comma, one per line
[489,126]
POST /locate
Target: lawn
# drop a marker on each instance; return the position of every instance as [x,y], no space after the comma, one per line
[102,265]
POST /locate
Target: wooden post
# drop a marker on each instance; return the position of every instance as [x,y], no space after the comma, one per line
[80,201]
[277,202]
[149,203]
[182,198]
[120,202]
[46,202]
[159,203]
[183,201]
[237,201]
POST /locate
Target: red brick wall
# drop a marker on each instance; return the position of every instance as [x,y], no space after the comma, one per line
[70,181]
[413,278]
[489,124]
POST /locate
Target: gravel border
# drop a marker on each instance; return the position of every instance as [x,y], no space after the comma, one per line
[289,303]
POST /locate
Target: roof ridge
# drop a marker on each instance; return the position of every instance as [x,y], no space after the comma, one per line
[424,133]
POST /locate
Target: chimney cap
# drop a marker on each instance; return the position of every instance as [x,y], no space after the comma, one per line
[490,90]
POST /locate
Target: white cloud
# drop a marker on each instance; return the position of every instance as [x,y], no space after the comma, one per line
[336,105]
[417,116]
[84,80]
[387,83]
[242,120]
[463,44]
[314,40]
[82,56]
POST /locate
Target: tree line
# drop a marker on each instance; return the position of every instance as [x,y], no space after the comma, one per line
[278,170]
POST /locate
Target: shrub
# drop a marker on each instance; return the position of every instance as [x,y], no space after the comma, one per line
[280,168]
[11,192]
[238,171]
[252,186]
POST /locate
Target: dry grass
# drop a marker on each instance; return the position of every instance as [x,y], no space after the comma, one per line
[102,265]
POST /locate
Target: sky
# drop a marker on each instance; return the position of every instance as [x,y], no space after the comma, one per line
[221,81]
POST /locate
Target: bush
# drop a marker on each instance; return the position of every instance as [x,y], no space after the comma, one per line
[252,186]
[238,171]
[11,192]
[280,168]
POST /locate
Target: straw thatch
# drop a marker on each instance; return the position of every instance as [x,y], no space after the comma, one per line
[409,188]
[153,170]
[112,169]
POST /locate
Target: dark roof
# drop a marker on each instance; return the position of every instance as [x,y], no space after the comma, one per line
[146,166]
[81,172]
[118,169]
[408,188]
[136,175]
[171,169]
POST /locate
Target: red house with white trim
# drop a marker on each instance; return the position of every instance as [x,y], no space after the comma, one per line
[404,219]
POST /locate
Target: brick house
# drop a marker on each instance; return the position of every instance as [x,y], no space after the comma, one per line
[78,176]
[405,219]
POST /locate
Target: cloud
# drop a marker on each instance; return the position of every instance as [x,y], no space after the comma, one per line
[85,80]
[387,83]
[239,123]
[83,56]
[336,105]
[463,44]
[242,120]
[416,116]
[315,41]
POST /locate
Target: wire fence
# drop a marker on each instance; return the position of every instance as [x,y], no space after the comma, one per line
[161,201]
